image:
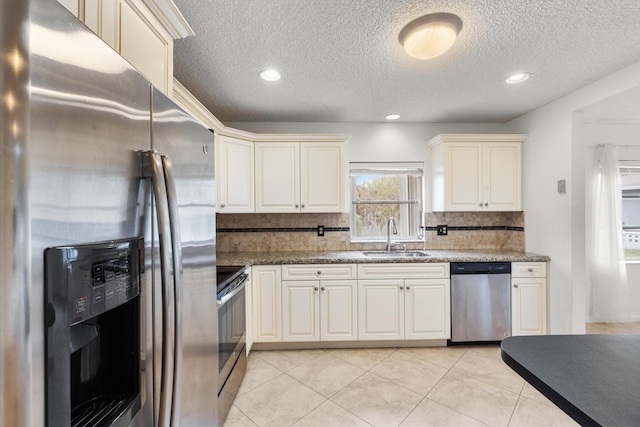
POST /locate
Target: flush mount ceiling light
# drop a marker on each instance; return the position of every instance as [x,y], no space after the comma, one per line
[270,75]
[430,35]
[392,117]
[519,78]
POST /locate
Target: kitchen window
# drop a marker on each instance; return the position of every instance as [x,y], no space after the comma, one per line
[630,186]
[380,191]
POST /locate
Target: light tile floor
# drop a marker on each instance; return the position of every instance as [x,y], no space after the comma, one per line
[613,328]
[408,387]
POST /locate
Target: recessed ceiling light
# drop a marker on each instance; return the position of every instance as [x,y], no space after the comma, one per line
[430,35]
[392,117]
[519,78]
[270,75]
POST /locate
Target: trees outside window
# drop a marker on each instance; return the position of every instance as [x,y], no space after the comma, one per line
[380,191]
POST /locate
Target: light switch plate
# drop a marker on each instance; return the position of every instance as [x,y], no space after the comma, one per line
[562,186]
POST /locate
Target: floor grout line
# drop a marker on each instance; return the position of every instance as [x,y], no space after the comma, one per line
[398,352]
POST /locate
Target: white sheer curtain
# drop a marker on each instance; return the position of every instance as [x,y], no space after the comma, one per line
[608,270]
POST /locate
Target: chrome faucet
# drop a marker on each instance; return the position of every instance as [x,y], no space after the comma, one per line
[395,231]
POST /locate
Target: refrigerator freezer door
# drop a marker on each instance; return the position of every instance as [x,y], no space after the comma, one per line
[189,147]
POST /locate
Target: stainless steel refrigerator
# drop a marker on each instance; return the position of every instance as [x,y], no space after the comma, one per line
[91,153]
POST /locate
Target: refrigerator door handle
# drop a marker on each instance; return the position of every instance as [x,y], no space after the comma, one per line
[168,321]
[174,225]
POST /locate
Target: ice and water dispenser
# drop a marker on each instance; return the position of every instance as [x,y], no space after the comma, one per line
[93,333]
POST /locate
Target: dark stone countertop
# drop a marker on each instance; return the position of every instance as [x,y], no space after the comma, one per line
[595,379]
[357,257]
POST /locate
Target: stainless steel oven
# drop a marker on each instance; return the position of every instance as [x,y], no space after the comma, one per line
[231,335]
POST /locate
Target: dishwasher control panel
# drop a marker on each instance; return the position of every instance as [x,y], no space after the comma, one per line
[480,268]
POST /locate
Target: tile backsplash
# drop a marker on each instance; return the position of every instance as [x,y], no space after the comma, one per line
[298,232]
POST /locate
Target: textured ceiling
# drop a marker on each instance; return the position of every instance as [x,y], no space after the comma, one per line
[340,60]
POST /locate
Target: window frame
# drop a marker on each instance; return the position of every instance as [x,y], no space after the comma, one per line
[413,195]
[626,166]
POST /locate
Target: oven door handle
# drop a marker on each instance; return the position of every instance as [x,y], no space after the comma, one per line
[237,287]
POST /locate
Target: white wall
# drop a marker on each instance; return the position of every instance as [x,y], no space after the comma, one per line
[555,223]
[377,141]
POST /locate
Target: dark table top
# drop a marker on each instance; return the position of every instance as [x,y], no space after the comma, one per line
[595,379]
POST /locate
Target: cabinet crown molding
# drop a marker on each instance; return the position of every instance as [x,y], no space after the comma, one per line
[476,137]
[170,17]
[186,99]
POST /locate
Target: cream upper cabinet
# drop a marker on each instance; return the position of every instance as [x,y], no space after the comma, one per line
[299,177]
[140,31]
[476,172]
[528,298]
[321,177]
[234,173]
[277,177]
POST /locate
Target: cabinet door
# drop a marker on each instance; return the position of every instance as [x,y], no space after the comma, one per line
[248,287]
[300,310]
[235,175]
[277,177]
[529,306]
[321,177]
[501,177]
[427,309]
[463,177]
[380,309]
[267,300]
[146,46]
[339,305]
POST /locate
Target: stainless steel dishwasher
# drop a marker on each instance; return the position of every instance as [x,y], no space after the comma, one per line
[480,301]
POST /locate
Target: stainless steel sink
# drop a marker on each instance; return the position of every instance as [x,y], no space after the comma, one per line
[395,254]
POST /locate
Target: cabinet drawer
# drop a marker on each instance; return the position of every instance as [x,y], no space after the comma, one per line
[319,272]
[404,270]
[528,269]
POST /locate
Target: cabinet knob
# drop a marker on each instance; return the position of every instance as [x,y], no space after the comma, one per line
[401,287]
[515,286]
[315,288]
[480,204]
[408,287]
[530,270]
[302,206]
[222,205]
[322,288]
[486,204]
[297,206]
[319,272]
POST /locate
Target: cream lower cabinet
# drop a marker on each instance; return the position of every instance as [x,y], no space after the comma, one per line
[248,295]
[320,303]
[267,303]
[403,301]
[528,298]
